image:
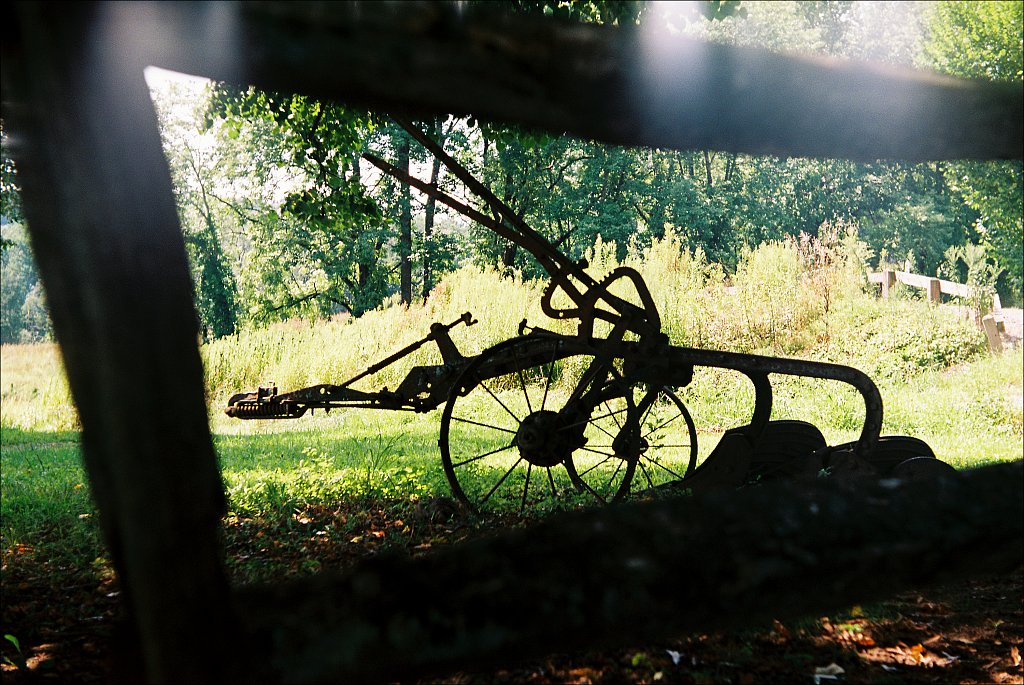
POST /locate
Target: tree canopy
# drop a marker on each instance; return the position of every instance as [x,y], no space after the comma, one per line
[281,218]
[983,40]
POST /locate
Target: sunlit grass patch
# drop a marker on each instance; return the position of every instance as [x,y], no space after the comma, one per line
[271,468]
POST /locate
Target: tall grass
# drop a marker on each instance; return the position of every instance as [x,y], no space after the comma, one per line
[34,392]
[804,298]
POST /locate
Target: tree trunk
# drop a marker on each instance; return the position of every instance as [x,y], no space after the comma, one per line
[105,233]
[216,284]
[508,256]
[405,223]
[707,172]
[365,265]
[656,219]
[508,253]
[428,216]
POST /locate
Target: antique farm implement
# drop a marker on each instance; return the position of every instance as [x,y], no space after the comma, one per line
[593,414]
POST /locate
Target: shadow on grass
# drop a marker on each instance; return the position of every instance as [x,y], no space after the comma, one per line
[11,436]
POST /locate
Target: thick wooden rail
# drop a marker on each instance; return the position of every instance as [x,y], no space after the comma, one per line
[641,571]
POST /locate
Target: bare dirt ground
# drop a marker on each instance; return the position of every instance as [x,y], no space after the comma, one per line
[1013,322]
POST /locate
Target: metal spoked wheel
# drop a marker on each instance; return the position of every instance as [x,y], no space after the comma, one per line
[513,422]
[662,441]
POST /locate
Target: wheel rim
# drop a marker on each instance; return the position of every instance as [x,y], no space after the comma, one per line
[665,443]
[505,440]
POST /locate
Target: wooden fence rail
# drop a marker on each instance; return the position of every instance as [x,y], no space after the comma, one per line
[992,323]
[935,287]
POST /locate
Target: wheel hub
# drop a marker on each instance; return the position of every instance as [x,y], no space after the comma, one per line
[542,439]
[629,443]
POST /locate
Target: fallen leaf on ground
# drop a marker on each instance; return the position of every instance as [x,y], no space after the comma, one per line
[830,672]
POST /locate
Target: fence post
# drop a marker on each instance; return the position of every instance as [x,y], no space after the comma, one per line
[888,281]
[995,341]
[934,291]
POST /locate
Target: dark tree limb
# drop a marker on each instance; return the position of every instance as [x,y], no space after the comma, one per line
[640,572]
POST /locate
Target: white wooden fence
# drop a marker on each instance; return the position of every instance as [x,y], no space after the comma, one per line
[936,288]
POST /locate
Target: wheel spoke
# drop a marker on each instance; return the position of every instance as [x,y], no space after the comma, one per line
[551,373]
[526,488]
[590,419]
[522,383]
[593,492]
[662,466]
[612,414]
[481,456]
[617,467]
[656,428]
[601,428]
[603,454]
[586,471]
[484,425]
[647,412]
[551,482]
[495,397]
[647,474]
[501,480]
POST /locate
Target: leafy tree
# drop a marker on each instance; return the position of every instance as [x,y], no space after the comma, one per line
[984,40]
[782,26]
[194,166]
[324,247]
[517,166]
[977,39]
[23,313]
[621,12]
[882,30]
[10,196]
[442,239]
[591,195]
[24,316]
[970,264]
[301,228]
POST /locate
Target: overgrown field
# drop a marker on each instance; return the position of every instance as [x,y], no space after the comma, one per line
[796,299]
